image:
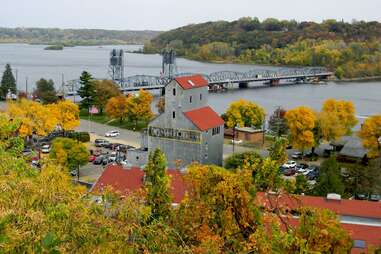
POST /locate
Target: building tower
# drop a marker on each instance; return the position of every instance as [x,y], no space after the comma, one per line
[116,66]
[188,130]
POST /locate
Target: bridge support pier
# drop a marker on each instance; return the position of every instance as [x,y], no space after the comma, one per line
[243,85]
[274,82]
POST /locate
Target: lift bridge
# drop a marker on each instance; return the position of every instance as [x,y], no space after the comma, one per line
[217,80]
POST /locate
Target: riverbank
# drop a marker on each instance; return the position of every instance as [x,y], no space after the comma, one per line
[362,79]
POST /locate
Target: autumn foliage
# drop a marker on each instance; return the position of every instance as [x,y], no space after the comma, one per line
[244,114]
[370,133]
[301,122]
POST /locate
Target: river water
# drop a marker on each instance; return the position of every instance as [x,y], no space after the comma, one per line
[33,62]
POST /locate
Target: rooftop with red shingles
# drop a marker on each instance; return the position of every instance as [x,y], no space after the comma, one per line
[359,208]
[190,82]
[356,208]
[126,181]
[204,118]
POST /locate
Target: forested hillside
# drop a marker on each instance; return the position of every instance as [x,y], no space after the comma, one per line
[74,36]
[349,49]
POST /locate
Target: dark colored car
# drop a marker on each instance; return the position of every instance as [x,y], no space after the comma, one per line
[99,142]
[375,197]
[105,160]
[312,175]
[289,172]
[106,144]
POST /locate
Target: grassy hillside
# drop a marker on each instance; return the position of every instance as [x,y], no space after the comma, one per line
[55,36]
[350,49]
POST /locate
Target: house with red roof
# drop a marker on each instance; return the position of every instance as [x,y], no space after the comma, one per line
[188,130]
[126,180]
[362,219]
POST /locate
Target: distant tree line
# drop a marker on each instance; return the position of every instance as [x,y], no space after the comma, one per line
[65,37]
[349,49]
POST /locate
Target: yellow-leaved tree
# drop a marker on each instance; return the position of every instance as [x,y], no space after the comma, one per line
[139,106]
[370,134]
[301,122]
[35,118]
[244,113]
[116,107]
[67,114]
[336,119]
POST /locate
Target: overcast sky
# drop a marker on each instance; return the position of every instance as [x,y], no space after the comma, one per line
[168,14]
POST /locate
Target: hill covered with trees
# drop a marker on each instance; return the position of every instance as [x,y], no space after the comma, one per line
[73,37]
[350,49]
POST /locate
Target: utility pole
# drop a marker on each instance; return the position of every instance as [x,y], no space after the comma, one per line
[63,86]
[26,87]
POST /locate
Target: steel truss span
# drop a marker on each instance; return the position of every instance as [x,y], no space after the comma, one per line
[149,82]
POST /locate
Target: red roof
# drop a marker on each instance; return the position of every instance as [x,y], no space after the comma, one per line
[347,207]
[190,82]
[356,208]
[126,181]
[204,118]
[370,234]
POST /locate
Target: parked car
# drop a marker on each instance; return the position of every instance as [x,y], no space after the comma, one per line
[73,172]
[35,162]
[237,142]
[45,149]
[113,133]
[312,175]
[106,160]
[99,142]
[289,172]
[98,160]
[301,168]
[92,158]
[375,197]
[26,151]
[297,155]
[289,164]
[112,157]
[106,144]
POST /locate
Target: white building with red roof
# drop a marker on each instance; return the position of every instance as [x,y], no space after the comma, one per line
[188,130]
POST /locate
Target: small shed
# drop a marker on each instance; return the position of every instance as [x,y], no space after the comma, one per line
[249,134]
[353,151]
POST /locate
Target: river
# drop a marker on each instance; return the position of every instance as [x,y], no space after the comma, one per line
[33,62]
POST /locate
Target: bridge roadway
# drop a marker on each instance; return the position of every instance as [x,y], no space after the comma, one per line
[221,79]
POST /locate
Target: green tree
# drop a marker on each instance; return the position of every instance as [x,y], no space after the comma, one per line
[237,160]
[301,184]
[8,82]
[329,180]
[87,90]
[45,91]
[278,123]
[157,183]
[69,153]
[278,151]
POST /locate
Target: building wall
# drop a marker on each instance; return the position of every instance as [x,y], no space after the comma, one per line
[137,157]
[253,137]
[207,151]
[213,146]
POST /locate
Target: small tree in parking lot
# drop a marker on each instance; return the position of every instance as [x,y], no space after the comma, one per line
[69,153]
[329,180]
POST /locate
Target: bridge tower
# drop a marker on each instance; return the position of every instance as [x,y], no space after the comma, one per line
[169,68]
[116,66]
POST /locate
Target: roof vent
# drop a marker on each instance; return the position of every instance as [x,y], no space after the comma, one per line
[333,196]
[191,82]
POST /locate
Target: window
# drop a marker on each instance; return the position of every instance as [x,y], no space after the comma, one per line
[216,130]
[173,114]
[190,99]
[359,244]
[174,91]
[200,96]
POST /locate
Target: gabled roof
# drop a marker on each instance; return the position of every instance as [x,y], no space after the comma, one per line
[353,148]
[190,82]
[204,118]
[126,181]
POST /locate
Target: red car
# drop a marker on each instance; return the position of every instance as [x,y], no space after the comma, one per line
[92,158]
